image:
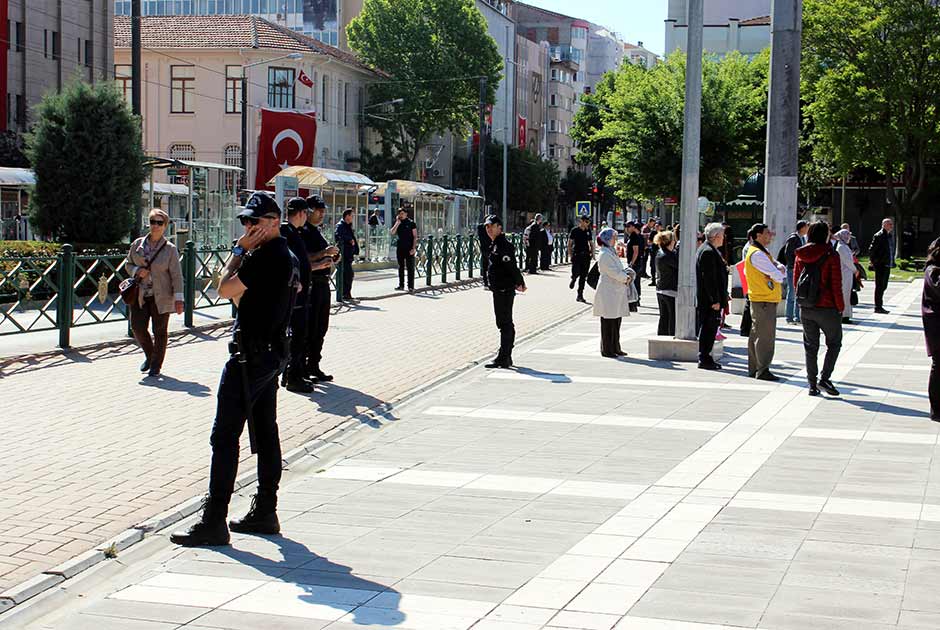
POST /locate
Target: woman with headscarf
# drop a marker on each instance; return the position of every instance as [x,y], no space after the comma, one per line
[841,239]
[611,301]
[930,312]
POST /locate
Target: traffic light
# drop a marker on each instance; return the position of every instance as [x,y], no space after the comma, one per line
[594,188]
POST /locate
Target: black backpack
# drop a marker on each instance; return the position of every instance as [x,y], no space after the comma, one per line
[809,284]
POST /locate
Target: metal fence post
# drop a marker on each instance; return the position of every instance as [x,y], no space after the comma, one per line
[189,283]
[339,278]
[471,252]
[458,258]
[444,252]
[429,260]
[64,304]
[519,243]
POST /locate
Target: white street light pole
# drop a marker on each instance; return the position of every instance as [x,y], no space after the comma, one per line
[691,153]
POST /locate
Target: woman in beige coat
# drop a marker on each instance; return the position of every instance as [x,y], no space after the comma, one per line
[161,290]
[613,295]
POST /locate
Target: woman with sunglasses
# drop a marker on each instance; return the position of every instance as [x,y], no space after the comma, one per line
[155,263]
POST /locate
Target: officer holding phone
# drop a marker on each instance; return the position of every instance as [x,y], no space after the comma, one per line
[261,278]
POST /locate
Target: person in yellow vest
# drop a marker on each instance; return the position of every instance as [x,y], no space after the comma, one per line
[765,277]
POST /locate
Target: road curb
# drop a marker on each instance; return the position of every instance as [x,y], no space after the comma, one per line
[320,449]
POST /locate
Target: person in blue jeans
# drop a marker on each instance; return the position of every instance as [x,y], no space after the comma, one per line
[788,257]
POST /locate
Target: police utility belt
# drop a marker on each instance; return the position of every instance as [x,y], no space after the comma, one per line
[252,350]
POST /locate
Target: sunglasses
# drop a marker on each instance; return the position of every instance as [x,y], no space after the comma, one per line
[256,220]
[157,222]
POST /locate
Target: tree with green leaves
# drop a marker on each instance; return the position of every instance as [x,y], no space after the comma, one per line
[631,128]
[435,52]
[871,80]
[85,149]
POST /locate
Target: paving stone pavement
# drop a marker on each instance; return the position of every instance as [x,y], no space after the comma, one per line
[91,449]
[587,493]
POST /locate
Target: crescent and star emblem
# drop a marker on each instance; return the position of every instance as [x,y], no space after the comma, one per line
[285,135]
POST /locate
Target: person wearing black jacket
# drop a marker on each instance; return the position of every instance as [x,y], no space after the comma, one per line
[505,280]
[930,312]
[293,232]
[580,253]
[881,259]
[349,248]
[793,243]
[666,265]
[712,280]
[485,246]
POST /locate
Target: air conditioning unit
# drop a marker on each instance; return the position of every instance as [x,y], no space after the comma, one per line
[437,173]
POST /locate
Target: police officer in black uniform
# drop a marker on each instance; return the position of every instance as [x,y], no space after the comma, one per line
[321,256]
[486,244]
[580,251]
[262,278]
[292,231]
[505,279]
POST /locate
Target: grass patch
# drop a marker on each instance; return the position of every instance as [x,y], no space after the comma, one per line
[904,271]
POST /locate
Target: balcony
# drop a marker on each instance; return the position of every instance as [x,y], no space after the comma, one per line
[566,53]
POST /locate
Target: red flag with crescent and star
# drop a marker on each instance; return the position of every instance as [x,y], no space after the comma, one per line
[303,78]
[287,138]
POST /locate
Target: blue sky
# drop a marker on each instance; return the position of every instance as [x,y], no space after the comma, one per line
[634,20]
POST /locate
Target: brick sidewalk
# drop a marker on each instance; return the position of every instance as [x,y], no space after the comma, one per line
[91,450]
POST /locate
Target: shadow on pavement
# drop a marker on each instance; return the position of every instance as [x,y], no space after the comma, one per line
[554,377]
[316,576]
[348,402]
[171,384]
[882,407]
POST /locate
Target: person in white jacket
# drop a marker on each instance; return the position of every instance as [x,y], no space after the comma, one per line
[842,240]
[611,301]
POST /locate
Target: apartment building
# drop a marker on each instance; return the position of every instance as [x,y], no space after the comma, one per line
[192,70]
[49,43]
[742,25]
[637,54]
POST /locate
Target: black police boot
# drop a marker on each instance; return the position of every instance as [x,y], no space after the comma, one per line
[209,531]
[299,385]
[319,374]
[261,517]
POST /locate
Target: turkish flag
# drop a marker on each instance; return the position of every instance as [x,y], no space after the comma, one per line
[287,139]
[303,78]
[522,132]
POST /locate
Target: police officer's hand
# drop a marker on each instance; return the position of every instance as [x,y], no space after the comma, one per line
[412,253]
[332,250]
[521,288]
[251,238]
[716,307]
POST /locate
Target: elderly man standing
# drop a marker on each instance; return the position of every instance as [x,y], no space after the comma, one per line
[765,278]
[712,292]
[532,236]
[881,259]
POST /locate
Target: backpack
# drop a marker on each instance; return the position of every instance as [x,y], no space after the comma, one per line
[809,284]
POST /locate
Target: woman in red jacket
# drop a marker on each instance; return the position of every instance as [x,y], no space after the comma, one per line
[826,313]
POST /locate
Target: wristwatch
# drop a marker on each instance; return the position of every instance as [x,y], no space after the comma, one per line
[238,250]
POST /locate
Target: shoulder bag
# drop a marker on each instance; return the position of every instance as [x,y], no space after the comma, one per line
[594,276]
[130,287]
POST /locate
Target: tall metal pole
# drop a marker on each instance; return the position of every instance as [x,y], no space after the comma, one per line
[507,130]
[244,151]
[136,96]
[783,119]
[481,145]
[691,154]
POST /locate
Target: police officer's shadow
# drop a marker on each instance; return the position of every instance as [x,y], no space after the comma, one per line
[316,577]
[345,401]
[171,384]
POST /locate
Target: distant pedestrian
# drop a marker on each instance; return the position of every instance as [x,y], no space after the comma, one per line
[654,250]
[349,249]
[765,277]
[908,241]
[853,242]
[666,268]
[647,233]
[374,219]
[155,262]
[841,241]
[818,285]
[532,240]
[485,246]
[788,257]
[407,232]
[611,301]
[548,245]
[505,280]
[727,247]
[711,275]
[930,312]
[635,246]
[881,254]
[580,253]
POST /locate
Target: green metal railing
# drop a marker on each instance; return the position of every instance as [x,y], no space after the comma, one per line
[71,289]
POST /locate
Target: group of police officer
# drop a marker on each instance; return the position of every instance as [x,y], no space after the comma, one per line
[278,277]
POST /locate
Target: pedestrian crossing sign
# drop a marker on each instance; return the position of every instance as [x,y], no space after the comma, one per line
[583,208]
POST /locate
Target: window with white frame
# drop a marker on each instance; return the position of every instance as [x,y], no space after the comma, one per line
[281,87]
[233,89]
[324,97]
[553,100]
[122,76]
[182,151]
[553,125]
[182,89]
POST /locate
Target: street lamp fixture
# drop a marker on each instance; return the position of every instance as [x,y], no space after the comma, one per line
[244,147]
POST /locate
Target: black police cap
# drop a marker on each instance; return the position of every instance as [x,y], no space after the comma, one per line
[493,220]
[259,205]
[315,201]
[297,203]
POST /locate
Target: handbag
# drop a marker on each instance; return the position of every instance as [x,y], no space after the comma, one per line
[130,287]
[594,276]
